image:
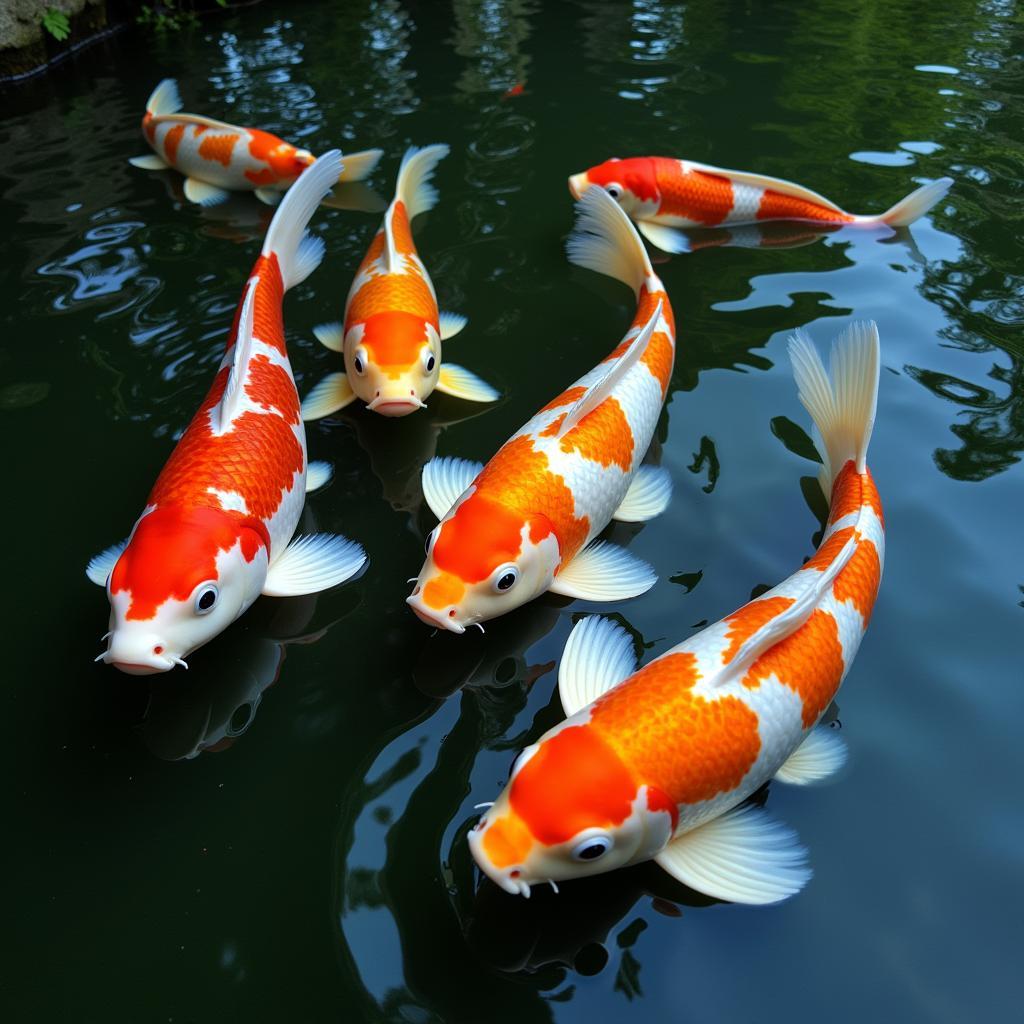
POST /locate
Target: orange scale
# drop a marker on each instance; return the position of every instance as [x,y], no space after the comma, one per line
[859,579]
[744,623]
[603,436]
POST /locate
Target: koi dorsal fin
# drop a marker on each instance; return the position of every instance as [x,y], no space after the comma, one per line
[241,352]
[780,185]
[601,389]
[390,256]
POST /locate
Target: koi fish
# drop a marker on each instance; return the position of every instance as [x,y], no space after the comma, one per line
[216,528]
[392,333]
[656,763]
[663,195]
[218,158]
[523,524]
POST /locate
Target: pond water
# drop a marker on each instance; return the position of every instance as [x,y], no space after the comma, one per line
[280,834]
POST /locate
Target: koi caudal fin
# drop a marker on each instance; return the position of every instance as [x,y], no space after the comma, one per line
[299,254]
[164,99]
[605,240]
[842,401]
[917,204]
[414,186]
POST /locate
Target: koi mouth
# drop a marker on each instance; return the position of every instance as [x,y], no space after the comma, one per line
[439,622]
[576,186]
[510,880]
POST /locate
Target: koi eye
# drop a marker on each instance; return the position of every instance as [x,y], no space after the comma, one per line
[429,362]
[592,848]
[505,578]
[614,190]
[359,361]
[206,598]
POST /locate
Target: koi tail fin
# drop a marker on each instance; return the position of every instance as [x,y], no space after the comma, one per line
[298,253]
[360,165]
[917,204]
[414,186]
[841,402]
[604,239]
[164,99]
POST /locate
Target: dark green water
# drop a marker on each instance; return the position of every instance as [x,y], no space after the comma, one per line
[315,868]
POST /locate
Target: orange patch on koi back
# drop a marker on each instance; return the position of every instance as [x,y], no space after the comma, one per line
[828,552]
[443,590]
[851,490]
[743,624]
[602,436]
[552,429]
[858,581]
[567,397]
[809,662]
[172,140]
[406,293]
[271,386]
[696,195]
[393,340]
[783,207]
[268,321]
[648,302]
[574,781]
[218,147]
[688,747]
[401,230]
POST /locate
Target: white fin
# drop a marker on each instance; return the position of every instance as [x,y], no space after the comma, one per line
[164,99]
[451,324]
[270,196]
[445,480]
[665,238]
[842,402]
[780,185]
[203,194]
[917,204]
[312,563]
[413,186]
[458,381]
[598,655]
[297,253]
[648,495]
[601,389]
[821,754]
[318,474]
[744,856]
[392,261]
[331,335]
[241,353]
[101,566]
[360,165]
[332,394]
[150,162]
[604,239]
[604,572]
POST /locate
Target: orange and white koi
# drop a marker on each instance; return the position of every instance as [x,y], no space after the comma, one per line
[392,333]
[663,195]
[523,524]
[217,528]
[218,158]
[656,763]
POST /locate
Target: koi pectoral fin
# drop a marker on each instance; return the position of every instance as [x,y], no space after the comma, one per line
[330,335]
[203,194]
[604,572]
[458,381]
[270,196]
[445,480]
[597,657]
[318,474]
[332,394]
[744,856]
[312,563]
[100,567]
[451,324]
[648,495]
[667,239]
[821,754]
[149,162]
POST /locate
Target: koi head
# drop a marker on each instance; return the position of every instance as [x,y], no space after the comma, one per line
[632,183]
[186,574]
[393,360]
[483,560]
[572,808]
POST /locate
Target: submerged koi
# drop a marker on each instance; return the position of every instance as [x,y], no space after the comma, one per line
[663,195]
[217,158]
[392,333]
[655,763]
[216,528]
[522,524]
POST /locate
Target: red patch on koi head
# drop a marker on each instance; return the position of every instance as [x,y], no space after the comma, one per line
[635,173]
[281,157]
[482,535]
[394,339]
[175,549]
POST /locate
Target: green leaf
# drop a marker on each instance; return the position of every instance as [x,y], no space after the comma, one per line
[56,23]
